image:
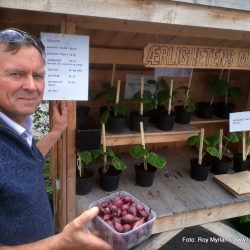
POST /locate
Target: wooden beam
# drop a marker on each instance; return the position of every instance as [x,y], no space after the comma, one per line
[117,56]
[12,17]
[200,216]
[230,4]
[98,23]
[160,11]
[70,151]
[152,135]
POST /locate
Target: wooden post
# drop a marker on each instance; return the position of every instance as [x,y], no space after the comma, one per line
[64,162]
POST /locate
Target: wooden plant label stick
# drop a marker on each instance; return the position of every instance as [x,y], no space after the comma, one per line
[142,91]
[221,73]
[188,90]
[118,91]
[244,157]
[248,147]
[220,144]
[170,99]
[142,135]
[113,75]
[104,142]
[201,146]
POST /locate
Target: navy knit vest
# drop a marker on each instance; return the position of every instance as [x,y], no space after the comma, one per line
[25,212]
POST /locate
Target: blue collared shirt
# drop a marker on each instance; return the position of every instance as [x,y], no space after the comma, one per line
[24,131]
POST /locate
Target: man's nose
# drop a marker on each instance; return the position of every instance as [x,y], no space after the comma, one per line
[29,83]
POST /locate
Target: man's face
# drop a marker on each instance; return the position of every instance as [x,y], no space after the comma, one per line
[21,82]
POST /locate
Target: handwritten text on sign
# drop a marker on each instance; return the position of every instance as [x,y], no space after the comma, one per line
[67,61]
[239,121]
[182,56]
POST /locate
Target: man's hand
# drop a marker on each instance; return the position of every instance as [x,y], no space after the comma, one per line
[76,235]
[59,119]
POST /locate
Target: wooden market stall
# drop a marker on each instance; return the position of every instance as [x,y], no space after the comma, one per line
[119,31]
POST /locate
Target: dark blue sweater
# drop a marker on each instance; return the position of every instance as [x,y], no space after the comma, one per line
[25,212]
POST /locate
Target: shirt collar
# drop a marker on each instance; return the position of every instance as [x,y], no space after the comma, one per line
[25,131]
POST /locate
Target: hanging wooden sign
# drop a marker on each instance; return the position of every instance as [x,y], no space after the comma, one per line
[186,56]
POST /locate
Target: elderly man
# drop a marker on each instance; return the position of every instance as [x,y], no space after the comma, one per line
[26,220]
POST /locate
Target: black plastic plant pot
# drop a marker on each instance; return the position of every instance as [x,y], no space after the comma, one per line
[84,184]
[205,110]
[110,180]
[136,118]
[88,135]
[199,172]
[116,124]
[182,116]
[155,114]
[166,121]
[144,178]
[223,111]
[221,166]
[82,111]
[240,165]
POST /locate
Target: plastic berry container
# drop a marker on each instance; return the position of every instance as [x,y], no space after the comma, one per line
[123,240]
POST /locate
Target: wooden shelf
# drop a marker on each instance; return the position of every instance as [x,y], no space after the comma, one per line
[178,200]
[214,119]
[152,135]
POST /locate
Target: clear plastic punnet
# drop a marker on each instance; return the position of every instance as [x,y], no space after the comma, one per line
[123,240]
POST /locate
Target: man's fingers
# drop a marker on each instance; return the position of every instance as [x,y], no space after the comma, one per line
[87,216]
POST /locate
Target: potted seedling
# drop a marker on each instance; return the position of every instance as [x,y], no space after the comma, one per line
[146,101]
[84,176]
[199,165]
[158,98]
[112,166]
[242,160]
[116,120]
[218,148]
[145,170]
[108,93]
[167,116]
[186,107]
[223,109]
[216,87]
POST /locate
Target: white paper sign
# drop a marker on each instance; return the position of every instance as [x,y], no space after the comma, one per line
[239,121]
[133,85]
[67,66]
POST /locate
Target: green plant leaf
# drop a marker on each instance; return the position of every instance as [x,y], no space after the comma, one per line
[156,160]
[235,92]
[86,157]
[120,109]
[234,137]
[245,219]
[163,83]
[138,151]
[212,140]
[151,82]
[247,140]
[190,107]
[212,151]
[193,140]
[104,117]
[220,88]
[118,163]
[163,96]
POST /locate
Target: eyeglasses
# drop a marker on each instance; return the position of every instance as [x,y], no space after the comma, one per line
[16,35]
